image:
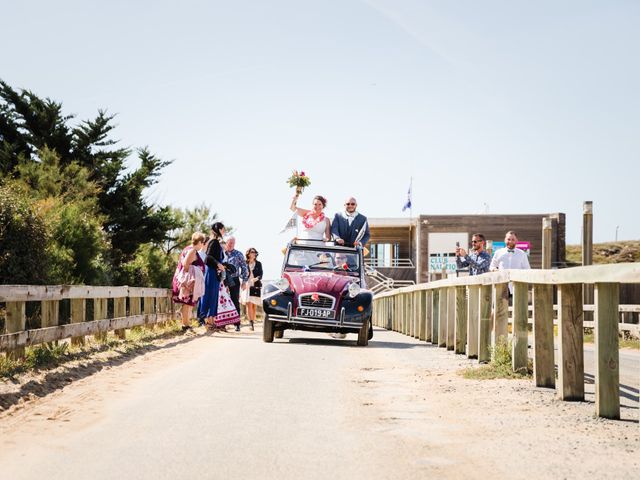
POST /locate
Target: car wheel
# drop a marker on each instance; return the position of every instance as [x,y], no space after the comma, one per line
[363,335]
[370,335]
[267,330]
[278,333]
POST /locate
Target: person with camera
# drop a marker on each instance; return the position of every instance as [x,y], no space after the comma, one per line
[478,260]
[252,288]
[239,273]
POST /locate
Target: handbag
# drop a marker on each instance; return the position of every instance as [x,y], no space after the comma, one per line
[254,291]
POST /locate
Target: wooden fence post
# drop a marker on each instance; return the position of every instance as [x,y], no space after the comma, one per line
[500,312]
[428,312]
[120,310]
[520,356]
[78,315]
[419,315]
[473,317]
[100,313]
[435,316]
[543,365]
[15,321]
[607,296]
[571,348]
[484,330]
[442,317]
[50,315]
[135,306]
[460,333]
[422,325]
[148,311]
[451,317]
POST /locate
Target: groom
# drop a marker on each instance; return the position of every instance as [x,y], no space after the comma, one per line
[349,227]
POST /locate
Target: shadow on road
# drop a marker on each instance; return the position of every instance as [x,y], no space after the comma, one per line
[56,380]
[626,391]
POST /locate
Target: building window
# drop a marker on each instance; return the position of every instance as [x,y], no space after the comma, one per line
[385,254]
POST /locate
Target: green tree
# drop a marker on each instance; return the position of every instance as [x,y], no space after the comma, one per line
[31,128]
[23,240]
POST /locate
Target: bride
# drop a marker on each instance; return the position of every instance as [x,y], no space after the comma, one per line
[315,225]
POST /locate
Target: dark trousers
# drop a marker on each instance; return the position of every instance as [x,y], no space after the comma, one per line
[234,293]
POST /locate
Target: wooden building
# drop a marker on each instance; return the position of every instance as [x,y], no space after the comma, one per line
[423,248]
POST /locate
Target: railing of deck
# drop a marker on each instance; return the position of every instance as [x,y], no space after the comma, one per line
[468,314]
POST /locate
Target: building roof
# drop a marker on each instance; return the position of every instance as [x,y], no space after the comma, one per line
[392,222]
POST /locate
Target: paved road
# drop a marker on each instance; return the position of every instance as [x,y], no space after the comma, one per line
[229,406]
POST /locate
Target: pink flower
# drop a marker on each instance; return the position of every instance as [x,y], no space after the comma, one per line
[302,174]
[315,297]
[295,173]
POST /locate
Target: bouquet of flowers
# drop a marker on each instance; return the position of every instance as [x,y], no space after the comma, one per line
[299,180]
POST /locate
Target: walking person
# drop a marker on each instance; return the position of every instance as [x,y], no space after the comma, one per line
[208,307]
[235,276]
[252,288]
[188,279]
[478,260]
[349,227]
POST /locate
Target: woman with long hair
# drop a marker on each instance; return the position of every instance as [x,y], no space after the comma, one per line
[187,281]
[315,225]
[253,285]
[208,307]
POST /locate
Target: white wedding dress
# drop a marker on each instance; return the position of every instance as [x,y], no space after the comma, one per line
[315,233]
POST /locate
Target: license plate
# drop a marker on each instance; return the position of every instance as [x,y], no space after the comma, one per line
[315,312]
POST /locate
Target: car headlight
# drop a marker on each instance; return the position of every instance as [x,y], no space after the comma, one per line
[354,290]
[281,284]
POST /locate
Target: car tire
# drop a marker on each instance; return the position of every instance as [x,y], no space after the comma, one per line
[267,330]
[363,335]
[278,333]
[370,335]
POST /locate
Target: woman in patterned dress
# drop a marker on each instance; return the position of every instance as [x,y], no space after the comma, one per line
[183,285]
[208,307]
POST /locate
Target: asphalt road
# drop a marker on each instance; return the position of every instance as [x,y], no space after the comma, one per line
[230,406]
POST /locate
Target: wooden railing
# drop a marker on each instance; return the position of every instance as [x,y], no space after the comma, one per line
[128,310]
[469,314]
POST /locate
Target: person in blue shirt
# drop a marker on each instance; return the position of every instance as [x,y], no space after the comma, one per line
[478,260]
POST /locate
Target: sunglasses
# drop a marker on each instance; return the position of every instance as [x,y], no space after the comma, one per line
[350,204]
[476,241]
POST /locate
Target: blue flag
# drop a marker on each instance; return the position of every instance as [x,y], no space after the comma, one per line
[408,204]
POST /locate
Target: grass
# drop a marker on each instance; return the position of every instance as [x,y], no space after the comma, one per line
[499,367]
[610,252]
[632,343]
[47,356]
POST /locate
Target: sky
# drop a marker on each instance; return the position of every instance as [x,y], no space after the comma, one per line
[489,106]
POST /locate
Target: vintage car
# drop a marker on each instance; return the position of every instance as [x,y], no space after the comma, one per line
[322,289]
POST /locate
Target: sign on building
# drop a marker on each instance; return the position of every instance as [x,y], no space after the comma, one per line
[442,251]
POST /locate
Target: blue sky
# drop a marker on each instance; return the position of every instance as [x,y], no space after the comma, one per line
[527,107]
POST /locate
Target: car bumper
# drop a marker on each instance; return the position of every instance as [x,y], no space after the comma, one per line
[343,321]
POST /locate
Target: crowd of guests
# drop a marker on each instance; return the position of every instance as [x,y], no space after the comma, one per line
[216,278]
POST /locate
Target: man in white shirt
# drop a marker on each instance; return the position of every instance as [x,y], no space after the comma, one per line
[509,257]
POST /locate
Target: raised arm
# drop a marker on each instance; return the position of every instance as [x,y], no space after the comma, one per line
[189,258]
[294,207]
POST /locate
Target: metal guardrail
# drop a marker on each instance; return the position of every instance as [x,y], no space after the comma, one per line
[470,314]
[390,263]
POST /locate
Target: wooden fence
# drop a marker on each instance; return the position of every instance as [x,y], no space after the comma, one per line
[469,314]
[130,307]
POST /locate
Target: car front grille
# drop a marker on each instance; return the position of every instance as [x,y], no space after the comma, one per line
[324,301]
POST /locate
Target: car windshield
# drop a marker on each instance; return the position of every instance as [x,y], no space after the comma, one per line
[323,260]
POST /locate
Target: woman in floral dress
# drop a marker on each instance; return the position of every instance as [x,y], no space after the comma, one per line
[185,285]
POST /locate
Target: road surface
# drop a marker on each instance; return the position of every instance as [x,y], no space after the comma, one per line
[229,406]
